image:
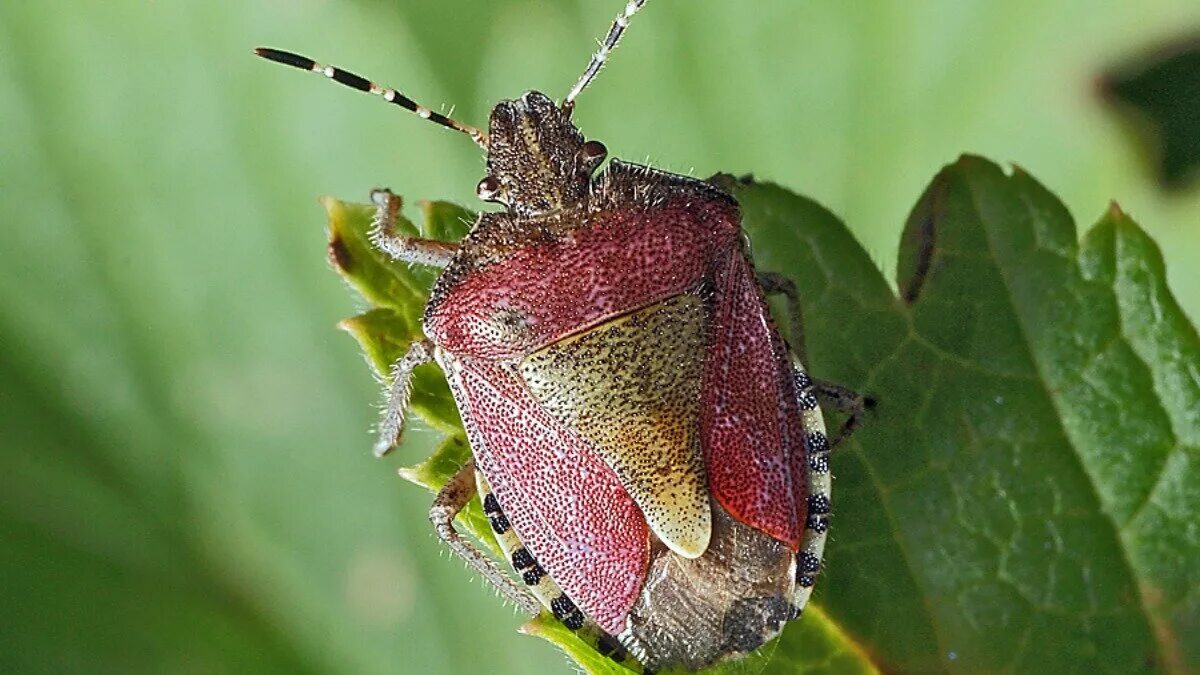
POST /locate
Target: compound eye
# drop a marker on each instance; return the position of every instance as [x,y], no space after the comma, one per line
[593,152]
[488,189]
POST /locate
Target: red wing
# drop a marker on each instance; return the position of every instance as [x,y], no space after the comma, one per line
[568,507]
[615,262]
[751,427]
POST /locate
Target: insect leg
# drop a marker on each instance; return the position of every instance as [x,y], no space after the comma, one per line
[398,395]
[839,398]
[778,284]
[834,396]
[407,249]
[453,496]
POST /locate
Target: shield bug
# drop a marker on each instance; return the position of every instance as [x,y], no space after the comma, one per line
[649,451]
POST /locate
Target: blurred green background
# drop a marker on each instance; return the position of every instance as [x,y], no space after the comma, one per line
[185,476]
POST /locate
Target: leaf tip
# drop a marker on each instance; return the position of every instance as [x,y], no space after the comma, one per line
[426,207]
[967,161]
[332,205]
[530,627]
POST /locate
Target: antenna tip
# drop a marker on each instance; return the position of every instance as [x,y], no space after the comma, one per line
[286,58]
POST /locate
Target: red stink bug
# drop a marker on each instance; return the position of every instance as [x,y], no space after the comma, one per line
[649,451]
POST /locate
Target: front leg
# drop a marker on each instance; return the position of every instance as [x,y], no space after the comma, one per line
[406,249]
[453,496]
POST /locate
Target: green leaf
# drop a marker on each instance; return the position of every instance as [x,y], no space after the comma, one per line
[1024,495]
[1159,94]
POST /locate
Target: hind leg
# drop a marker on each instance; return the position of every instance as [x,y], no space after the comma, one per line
[452,498]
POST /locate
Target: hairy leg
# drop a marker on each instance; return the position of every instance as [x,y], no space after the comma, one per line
[406,249]
[399,394]
[449,502]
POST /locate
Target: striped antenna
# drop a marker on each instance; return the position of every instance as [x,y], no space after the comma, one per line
[362,84]
[606,47]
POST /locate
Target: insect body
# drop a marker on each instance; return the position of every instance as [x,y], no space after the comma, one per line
[650,454]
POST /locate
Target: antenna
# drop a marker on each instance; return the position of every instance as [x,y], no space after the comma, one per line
[362,84]
[606,46]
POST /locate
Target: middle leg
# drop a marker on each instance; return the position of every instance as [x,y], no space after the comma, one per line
[834,396]
[778,284]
